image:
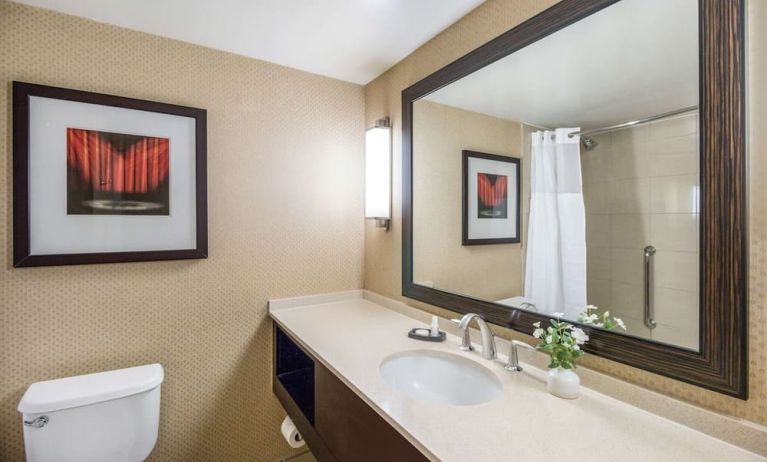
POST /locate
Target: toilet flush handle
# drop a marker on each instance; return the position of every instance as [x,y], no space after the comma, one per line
[38,422]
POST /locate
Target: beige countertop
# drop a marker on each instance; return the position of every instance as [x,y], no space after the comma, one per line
[351,335]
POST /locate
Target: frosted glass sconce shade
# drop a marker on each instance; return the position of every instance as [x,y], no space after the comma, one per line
[378,173]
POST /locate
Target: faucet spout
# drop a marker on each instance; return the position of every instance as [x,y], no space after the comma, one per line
[488,339]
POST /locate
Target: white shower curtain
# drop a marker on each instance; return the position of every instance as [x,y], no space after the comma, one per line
[555,266]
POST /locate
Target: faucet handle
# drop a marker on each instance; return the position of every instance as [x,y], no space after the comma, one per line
[513,364]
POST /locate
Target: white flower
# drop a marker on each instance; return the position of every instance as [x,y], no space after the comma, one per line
[548,339]
[590,307]
[579,336]
[620,322]
[589,319]
[607,314]
[576,347]
[537,324]
[538,333]
[558,315]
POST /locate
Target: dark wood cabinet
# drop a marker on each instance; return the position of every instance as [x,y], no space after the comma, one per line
[336,423]
[353,430]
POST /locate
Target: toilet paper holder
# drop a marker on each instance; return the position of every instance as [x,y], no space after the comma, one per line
[291,433]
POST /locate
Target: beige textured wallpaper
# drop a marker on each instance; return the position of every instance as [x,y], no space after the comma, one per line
[383,250]
[269,129]
[492,272]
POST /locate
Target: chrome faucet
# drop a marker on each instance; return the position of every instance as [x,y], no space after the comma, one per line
[513,364]
[488,339]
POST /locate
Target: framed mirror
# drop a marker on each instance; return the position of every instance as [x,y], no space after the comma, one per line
[611,179]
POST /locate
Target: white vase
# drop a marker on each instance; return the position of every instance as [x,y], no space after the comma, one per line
[563,383]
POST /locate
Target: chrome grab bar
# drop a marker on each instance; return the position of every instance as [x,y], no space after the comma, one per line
[649,305]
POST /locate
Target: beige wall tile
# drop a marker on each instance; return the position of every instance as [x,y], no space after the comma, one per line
[596,197]
[598,231]
[627,299]
[604,142]
[598,262]
[674,127]
[598,292]
[627,265]
[595,164]
[674,194]
[629,195]
[675,231]
[675,163]
[629,231]
[686,144]
[685,336]
[635,139]
[626,163]
[635,326]
[676,270]
[678,308]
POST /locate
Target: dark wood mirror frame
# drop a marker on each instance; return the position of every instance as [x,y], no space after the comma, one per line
[721,362]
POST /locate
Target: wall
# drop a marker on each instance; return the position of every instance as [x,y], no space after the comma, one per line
[383,252]
[205,321]
[491,272]
[640,188]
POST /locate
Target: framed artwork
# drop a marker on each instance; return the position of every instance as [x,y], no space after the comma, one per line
[104,179]
[491,189]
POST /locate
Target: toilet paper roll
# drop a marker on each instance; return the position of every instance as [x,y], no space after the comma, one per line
[290,433]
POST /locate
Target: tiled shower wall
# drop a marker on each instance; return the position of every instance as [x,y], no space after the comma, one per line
[640,188]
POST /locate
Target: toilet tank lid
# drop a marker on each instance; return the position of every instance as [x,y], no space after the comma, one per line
[81,390]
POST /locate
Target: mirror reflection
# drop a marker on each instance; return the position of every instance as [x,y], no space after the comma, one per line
[567,174]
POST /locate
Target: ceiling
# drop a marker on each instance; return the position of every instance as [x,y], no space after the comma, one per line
[634,59]
[351,40]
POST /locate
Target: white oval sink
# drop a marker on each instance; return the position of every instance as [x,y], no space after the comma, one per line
[440,377]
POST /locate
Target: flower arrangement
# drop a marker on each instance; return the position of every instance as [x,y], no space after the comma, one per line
[604,321]
[563,341]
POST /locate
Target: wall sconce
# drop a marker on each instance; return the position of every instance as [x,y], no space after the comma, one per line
[378,173]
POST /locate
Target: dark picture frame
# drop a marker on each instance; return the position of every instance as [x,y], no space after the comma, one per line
[22,256]
[510,209]
[721,363]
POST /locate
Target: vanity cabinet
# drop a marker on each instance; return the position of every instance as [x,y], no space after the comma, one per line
[336,423]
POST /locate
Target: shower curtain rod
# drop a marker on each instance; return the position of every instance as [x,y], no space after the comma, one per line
[597,131]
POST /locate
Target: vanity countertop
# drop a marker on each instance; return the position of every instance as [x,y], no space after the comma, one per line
[351,335]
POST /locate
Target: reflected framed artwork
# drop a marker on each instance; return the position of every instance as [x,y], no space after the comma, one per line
[491,189]
[104,179]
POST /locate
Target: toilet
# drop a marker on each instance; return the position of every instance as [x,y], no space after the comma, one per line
[107,416]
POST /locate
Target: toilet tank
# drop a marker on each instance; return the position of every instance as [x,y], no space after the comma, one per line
[107,416]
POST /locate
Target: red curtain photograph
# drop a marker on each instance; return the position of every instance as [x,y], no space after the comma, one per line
[492,201]
[117,173]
